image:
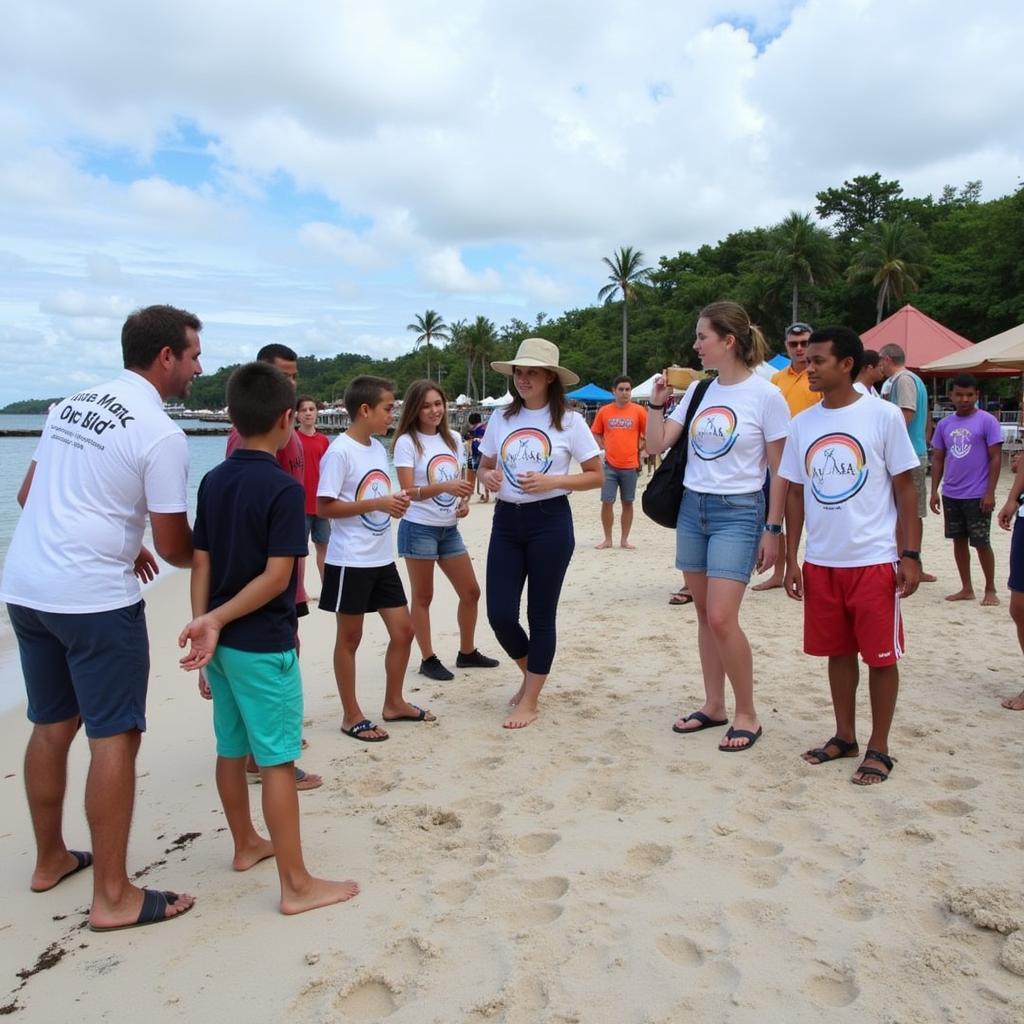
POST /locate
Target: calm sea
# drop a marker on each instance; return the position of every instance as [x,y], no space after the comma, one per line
[15,456]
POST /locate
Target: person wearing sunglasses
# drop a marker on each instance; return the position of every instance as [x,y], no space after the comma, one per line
[792,382]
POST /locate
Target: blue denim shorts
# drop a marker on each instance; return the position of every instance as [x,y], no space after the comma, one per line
[621,480]
[418,541]
[318,528]
[718,534]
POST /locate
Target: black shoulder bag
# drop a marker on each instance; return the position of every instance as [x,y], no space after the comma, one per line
[664,493]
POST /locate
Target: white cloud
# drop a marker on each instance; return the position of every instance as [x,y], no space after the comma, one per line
[445,271]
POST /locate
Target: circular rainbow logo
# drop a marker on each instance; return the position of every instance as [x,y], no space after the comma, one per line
[836,468]
[527,450]
[440,470]
[713,432]
[376,484]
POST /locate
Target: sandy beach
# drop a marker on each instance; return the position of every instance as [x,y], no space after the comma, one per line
[592,868]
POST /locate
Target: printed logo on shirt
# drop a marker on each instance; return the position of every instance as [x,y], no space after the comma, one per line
[376,484]
[442,469]
[713,432]
[527,450]
[836,467]
[621,423]
[960,442]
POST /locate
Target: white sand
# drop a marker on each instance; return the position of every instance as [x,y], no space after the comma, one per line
[592,868]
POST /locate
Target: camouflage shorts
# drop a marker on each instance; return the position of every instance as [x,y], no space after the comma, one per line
[963,518]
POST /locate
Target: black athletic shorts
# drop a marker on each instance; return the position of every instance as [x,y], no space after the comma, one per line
[355,590]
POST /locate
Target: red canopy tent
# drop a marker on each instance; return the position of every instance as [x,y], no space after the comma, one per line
[924,340]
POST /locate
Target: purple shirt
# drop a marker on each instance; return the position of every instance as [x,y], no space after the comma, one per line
[966,440]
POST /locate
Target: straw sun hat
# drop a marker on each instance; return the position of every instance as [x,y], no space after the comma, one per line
[537,352]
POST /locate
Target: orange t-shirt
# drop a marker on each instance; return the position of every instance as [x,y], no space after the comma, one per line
[795,390]
[622,430]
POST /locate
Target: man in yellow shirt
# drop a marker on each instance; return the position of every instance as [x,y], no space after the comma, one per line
[792,382]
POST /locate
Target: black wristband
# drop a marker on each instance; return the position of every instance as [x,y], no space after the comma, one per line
[652,406]
[907,553]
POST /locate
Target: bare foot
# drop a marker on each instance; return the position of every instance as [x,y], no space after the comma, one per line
[606,543]
[629,547]
[252,855]
[961,595]
[127,911]
[517,697]
[318,893]
[773,584]
[927,577]
[990,600]
[307,780]
[1015,703]
[521,718]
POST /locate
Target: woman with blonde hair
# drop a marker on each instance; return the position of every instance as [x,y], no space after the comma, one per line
[739,428]
[429,461]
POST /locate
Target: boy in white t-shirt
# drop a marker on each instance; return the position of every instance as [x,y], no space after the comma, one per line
[850,462]
[360,575]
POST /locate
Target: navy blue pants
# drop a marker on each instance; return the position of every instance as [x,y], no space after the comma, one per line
[531,544]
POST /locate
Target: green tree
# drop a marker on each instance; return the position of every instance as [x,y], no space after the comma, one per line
[889,254]
[627,274]
[799,253]
[429,327]
[864,200]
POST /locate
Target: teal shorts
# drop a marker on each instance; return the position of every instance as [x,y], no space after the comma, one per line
[257,705]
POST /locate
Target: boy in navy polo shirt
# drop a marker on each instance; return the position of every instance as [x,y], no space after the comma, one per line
[250,529]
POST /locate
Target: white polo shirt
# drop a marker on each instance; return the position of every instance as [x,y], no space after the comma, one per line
[107,456]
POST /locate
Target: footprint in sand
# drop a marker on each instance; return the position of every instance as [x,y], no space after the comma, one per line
[831,990]
[648,856]
[759,847]
[369,999]
[529,915]
[455,892]
[537,842]
[680,950]
[960,782]
[951,808]
[764,875]
[546,888]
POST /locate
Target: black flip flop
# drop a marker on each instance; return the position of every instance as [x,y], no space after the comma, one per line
[84,858]
[153,911]
[705,723]
[743,734]
[420,717]
[359,728]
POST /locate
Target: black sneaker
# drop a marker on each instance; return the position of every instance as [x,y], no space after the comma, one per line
[475,660]
[433,669]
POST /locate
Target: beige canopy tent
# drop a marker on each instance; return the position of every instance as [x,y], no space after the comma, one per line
[1001,352]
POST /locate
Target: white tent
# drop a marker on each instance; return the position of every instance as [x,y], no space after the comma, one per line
[490,403]
[643,391]
[463,400]
[765,370]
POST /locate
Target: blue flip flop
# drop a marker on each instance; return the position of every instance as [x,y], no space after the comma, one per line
[153,911]
[743,734]
[705,723]
[84,858]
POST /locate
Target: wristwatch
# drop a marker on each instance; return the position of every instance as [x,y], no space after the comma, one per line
[774,528]
[908,553]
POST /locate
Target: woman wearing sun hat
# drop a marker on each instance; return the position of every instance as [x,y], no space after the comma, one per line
[525,459]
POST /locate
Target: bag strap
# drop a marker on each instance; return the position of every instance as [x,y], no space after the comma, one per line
[691,409]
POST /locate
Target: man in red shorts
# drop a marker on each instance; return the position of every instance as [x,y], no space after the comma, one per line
[849,461]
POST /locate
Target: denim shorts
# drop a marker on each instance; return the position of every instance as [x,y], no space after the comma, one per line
[621,480]
[94,666]
[257,704]
[415,540]
[718,534]
[318,528]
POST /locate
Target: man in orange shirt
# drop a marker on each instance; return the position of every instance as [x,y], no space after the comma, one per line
[792,382]
[620,428]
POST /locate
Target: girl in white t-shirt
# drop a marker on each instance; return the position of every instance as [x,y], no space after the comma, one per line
[737,431]
[525,459]
[429,460]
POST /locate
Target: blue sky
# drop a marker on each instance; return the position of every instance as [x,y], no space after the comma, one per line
[320,173]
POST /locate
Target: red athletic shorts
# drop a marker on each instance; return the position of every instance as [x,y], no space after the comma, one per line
[851,611]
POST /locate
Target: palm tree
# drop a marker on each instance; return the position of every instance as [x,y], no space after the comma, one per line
[626,275]
[429,326]
[457,343]
[887,253]
[483,337]
[801,253]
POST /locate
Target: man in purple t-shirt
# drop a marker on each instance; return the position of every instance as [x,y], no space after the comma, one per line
[966,451]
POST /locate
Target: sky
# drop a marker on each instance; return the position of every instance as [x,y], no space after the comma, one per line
[318,173]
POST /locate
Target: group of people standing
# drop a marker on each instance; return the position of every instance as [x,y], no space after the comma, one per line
[844,468]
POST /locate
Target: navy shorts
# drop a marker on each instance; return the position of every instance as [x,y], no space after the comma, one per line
[1017,556]
[356,589]
[94,666]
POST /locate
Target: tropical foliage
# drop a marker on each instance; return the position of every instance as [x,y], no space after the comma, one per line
[627,274]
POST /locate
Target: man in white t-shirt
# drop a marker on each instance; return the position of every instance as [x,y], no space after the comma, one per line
[850,464]
[108,455]
[870,375]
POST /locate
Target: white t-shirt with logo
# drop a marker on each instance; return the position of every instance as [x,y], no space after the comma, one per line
[107,456]
[528,442]
[350,471]
[435,464]
[728,435]
[846,459]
